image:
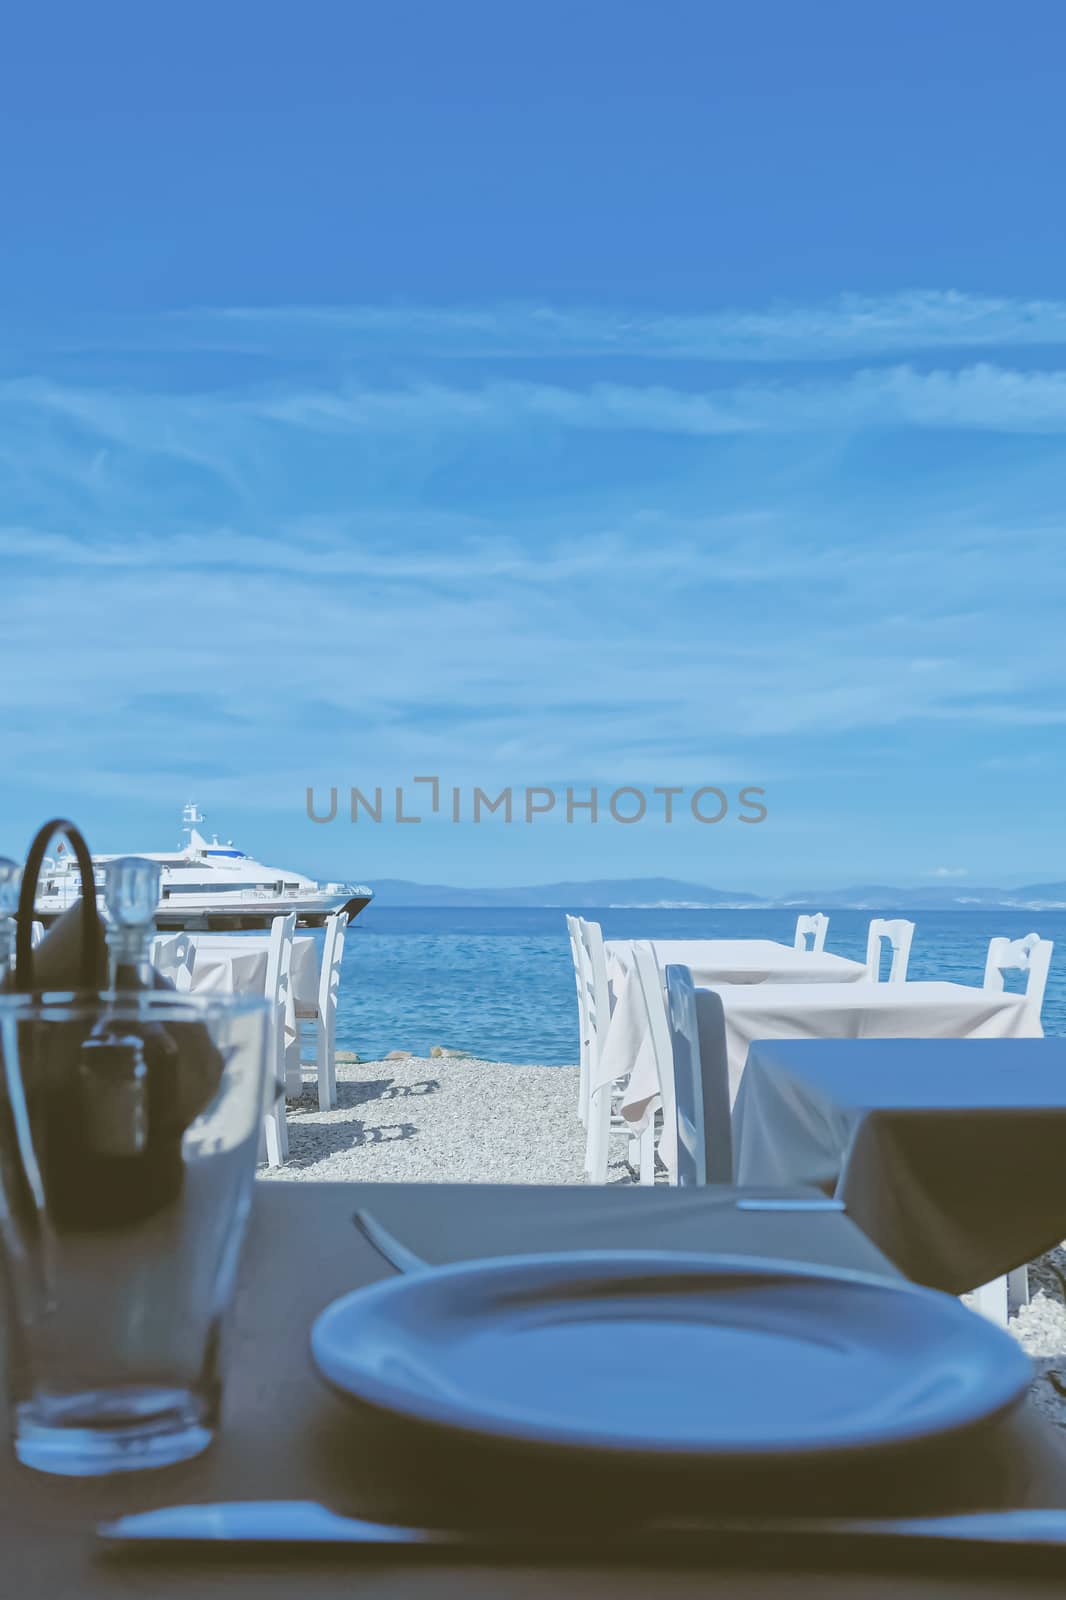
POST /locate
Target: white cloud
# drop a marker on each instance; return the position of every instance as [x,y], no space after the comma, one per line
[233,434]
[948,872]
[851,327]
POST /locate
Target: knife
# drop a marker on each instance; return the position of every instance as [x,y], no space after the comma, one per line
[1023,1538]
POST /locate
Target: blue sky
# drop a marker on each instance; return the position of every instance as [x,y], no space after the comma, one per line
[585,394]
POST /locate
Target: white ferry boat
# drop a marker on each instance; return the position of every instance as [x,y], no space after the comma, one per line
[209,885]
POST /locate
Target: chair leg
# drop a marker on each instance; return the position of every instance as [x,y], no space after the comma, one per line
[331,1060]
[583,1087]
[273,1140]
[325,1057]
[599,1127]
[647,1153]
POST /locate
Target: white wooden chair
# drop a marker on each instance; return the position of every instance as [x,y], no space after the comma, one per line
[1031,955]
[175,960]
[576,956]
[604,1115]
[274,1144]
[323,1014]
[899,935]
[814,928]
[600,1104]
[648,975]
[696,1023]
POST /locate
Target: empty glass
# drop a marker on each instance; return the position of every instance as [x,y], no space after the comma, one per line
[129,1129]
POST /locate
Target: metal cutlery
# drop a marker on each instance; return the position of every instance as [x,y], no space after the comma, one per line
[402,1259]
[1022,1538]
[387,1245]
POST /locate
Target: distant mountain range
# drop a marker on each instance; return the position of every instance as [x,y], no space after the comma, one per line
[674,893]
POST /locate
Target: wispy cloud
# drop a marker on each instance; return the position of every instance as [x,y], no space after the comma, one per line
[215,431]
[851,327]
[981,397]
[344,570]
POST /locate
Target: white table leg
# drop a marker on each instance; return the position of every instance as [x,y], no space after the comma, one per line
[991,1301]
[1018,1287]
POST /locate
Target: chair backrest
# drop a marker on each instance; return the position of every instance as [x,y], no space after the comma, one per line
[175,960]
[597,989]
[279,958]
[814,928]
[653,994]
[701,1081]
[1031,955]
[576,955]
[329,976]
[899,935]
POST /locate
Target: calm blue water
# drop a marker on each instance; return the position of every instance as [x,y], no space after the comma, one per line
[501,985]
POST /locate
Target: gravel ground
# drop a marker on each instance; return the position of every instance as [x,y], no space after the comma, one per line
[446,1120]
[460,1120]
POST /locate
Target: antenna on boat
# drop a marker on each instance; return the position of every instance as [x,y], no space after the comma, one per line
[191,817]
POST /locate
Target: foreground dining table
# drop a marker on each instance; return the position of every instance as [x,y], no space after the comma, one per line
[286,1436]
[946,1152]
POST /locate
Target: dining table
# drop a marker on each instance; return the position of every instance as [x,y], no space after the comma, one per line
[285,1435]
[737,961]
[627,1049]
[236,963]
[864,1009]
[946,1152]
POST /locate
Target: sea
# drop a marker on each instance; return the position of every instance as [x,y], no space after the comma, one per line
[499,983]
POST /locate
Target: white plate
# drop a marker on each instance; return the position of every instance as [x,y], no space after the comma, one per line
[679,1355]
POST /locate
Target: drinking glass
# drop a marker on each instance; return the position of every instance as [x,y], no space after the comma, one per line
[129,1129]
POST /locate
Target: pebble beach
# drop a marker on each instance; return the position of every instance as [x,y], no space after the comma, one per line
[452,1118]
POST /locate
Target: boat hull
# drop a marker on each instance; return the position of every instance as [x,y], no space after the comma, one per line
[173,917]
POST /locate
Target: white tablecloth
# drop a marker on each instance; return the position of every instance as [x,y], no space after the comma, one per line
[627,1048]
[947,1153]
[235,963]
[862,1010]
[714,961]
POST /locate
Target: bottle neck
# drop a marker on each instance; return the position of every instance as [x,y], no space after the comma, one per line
[130,958]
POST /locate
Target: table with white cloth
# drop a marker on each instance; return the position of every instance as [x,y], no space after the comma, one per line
[236,963]
[947,1153]
[864,1009]
[713,961]
[627,1049]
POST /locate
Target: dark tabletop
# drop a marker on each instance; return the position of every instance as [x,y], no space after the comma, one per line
[286,1436]
[946,1152]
